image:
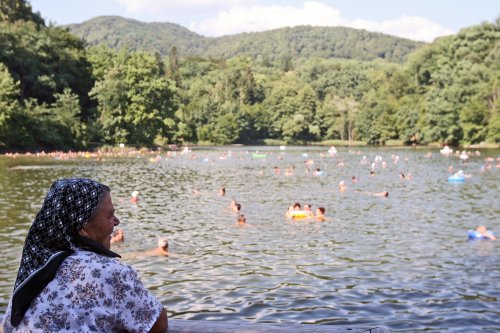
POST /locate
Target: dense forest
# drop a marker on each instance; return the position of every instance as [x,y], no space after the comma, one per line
[57,92]
[266,47]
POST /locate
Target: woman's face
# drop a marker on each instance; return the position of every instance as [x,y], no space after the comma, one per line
[101,224]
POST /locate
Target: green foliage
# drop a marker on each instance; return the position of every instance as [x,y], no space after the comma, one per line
[455,76]
[45,61]
[282,86]
[280,46]
[18,10]
[136,102]
[9,92]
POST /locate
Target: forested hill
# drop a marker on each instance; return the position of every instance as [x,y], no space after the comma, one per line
[283,44]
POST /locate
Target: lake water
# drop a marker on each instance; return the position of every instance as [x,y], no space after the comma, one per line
[403,262]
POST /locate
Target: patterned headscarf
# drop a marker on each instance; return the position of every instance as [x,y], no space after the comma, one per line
[68,206]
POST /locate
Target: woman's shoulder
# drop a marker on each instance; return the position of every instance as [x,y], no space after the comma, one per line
[88,259]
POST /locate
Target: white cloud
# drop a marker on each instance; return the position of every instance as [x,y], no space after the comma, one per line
[411,27]
[225,17]
[260,18]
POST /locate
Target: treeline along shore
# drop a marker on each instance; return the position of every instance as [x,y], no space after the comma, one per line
[58,93]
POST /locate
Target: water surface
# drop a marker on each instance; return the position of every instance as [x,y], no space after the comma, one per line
[402,261]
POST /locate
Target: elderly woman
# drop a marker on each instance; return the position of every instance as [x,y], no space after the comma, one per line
[69,280]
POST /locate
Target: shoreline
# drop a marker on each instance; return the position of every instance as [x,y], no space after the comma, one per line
[116,149]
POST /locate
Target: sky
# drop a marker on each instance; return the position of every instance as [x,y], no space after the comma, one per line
[421,20]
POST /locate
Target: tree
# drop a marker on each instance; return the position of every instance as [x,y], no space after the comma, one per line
[225,130]
[45,61]
[111,95]
[173,68]
[66,112]
[136,102]
[9,91]
[15,10]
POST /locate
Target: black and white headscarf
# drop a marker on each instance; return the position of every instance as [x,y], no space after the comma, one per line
[53,236]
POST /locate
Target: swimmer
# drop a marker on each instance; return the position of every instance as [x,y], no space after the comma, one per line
[320,214]
[485,233]
[160,251]
[236,208]
[289,171]
[460,173]
[308,209]
[118,236]
[372,173]
[376,194]
[297,206]
[354,179]
[134,197]
[342,186]
[222,191]
[241,220]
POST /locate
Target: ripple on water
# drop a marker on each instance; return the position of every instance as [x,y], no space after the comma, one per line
[400,261]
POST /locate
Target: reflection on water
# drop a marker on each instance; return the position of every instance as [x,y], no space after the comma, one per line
[401,261]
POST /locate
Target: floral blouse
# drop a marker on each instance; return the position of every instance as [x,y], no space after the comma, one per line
[90,293]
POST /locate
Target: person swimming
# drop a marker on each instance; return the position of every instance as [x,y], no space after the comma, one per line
[161,250]
[222,191]
[320,214]
[236,208]
[117,236]
[134,198]
[376,194]
[241,220]
[342,186]
[308,209]
[483,233]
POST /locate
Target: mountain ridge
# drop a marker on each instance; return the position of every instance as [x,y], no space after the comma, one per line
[299,42]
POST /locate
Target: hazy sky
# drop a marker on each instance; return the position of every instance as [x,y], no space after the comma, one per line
[415,19]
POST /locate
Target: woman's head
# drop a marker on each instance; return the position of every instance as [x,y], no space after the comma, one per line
[68,206]
[71,208]
[100,225]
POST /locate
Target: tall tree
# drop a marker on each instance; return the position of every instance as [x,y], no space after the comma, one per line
[9,92]
[173,66]
[15,10]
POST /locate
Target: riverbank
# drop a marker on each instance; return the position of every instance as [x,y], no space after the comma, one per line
[126,150]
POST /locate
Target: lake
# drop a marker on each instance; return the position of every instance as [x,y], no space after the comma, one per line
[403,262]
